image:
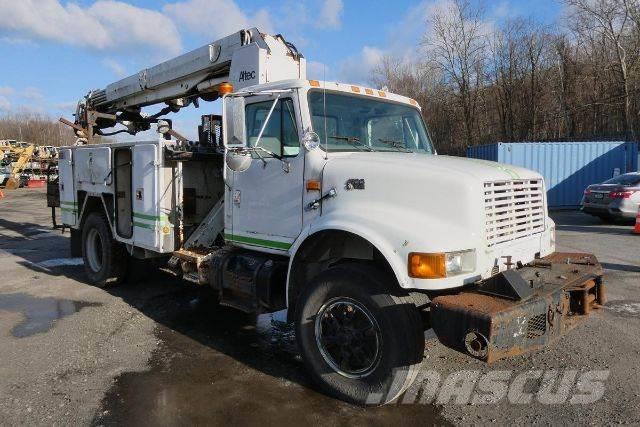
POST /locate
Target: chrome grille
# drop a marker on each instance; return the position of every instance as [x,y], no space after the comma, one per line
[513,209]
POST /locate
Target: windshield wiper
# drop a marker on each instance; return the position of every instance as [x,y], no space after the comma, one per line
[398,145]
[353,140]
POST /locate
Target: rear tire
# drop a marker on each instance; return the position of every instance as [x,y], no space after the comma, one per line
[105,260]
[361,343]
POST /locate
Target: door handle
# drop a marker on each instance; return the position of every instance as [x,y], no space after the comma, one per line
[316,203]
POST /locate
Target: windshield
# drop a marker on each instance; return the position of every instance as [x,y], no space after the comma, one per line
[356,123]
[626,180]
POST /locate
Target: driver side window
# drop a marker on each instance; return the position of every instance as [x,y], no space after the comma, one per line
[280,135]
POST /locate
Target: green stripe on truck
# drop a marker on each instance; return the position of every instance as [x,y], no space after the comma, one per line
[144,225]
[150,217]
[258,242]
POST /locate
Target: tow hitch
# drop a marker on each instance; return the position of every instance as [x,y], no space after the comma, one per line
[520,310]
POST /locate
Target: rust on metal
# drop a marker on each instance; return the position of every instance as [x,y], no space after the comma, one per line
[565,287]
[480,303]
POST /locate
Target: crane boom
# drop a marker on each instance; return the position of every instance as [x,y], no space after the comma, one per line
[245,58]
[24,156]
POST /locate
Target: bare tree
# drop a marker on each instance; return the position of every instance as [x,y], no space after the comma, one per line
[508,70]
[611,19]
[37,128]
[458,47]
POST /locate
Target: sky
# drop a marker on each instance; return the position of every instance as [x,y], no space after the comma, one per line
[52,52]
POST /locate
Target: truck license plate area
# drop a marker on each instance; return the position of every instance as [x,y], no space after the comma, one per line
[501,318]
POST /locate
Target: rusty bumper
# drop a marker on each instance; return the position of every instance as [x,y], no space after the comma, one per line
[520,310]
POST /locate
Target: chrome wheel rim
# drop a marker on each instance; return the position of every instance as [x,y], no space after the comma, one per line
[348,337]
[94,250]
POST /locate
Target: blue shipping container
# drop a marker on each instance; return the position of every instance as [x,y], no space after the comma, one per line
[567,167]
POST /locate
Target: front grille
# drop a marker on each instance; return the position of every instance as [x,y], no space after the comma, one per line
[536,326]
[513,209]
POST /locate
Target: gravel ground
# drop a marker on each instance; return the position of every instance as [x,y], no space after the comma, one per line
[155,352]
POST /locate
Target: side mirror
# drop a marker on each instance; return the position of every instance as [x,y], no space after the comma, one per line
[238,160]
[310,140]
[233,117]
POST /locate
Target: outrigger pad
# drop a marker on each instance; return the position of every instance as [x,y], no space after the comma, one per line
[499,319]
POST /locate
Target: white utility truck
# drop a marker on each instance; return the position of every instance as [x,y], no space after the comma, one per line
[324,199]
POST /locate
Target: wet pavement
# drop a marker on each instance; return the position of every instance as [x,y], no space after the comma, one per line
[39,314]
[204,372]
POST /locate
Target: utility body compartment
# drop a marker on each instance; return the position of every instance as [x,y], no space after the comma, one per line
[155,197]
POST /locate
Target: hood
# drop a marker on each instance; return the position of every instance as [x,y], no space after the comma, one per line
[473,169]
[416,194]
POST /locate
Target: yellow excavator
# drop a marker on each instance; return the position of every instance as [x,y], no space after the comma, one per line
[24,157]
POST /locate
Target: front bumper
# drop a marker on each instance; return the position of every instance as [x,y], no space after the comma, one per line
[520,310]
[624,209]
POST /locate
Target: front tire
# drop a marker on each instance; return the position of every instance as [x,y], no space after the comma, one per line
[360,342]
[105,260]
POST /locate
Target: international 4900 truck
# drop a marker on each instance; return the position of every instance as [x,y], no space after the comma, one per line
[325,199]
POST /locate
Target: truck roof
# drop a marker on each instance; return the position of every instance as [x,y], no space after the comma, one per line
[334,87]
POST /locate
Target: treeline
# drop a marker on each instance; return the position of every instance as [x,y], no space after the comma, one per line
[479,83]
[35,128]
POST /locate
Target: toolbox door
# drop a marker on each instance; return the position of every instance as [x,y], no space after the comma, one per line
[123,186]
[68,202]
[146,207]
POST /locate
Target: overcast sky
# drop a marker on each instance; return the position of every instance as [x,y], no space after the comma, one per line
[53,51]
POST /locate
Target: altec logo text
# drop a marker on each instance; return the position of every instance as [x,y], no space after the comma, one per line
[247,75]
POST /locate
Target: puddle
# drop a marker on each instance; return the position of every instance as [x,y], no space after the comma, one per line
[10,251]
[627,308]
[218,366]
[59,262]
[39,314]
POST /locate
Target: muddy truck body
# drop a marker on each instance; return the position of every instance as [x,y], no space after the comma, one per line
[326,200]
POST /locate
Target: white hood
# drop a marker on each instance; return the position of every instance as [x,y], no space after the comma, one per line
[413,202]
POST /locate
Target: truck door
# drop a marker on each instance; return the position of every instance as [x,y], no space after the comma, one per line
[124,214]
[146,209]
[68,202]
[267,198]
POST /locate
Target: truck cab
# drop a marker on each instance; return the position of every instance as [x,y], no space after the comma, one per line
[366,166]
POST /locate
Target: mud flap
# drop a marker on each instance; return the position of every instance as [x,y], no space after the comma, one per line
[520,310]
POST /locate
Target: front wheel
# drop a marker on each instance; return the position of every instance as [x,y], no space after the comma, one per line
[360,342]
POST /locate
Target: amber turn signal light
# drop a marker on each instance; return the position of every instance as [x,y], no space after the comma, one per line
[313,185]
[427,266]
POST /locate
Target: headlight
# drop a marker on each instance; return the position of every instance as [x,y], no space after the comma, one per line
[453,262]
[440,265]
